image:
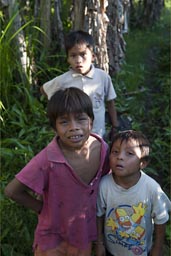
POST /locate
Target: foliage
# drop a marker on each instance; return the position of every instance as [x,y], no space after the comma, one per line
[25,129]
[24,132]
[145,13]
[143,79]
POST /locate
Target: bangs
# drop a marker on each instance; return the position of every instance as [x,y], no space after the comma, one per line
[71,104]
[70,100]
[140,140]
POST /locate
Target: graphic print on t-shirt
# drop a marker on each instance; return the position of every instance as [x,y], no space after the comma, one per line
[125,227]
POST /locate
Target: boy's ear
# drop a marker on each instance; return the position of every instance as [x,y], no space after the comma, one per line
[91,123]
[143,164]
[67,60]
[93,57]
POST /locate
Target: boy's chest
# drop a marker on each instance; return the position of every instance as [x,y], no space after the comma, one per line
[85,169]
[85,165]
[89,86]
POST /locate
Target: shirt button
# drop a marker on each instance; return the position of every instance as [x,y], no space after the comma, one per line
[92,191]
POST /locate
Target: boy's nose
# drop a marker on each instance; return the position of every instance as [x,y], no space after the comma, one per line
[120,155]
[79,59]
[73,125]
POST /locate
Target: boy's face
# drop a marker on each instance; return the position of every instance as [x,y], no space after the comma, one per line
[80,58]
[73,130]
[125,159]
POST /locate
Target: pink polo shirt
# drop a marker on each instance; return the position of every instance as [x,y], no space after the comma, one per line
[69,209]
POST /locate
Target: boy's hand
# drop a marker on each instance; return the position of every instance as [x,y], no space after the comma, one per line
[155,252]
[100,249]
[113,132]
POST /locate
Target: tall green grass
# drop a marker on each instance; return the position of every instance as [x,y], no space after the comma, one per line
[24,132]
[143,88]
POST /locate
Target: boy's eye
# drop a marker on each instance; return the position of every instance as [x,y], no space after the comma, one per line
[115,152]
[130,153]
[72,55]
[83,54]
[63,121]
[82,118]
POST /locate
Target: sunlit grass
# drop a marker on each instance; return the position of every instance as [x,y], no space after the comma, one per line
[138,45]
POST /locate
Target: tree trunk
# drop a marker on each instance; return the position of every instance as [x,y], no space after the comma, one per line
[78,14]
[58,26]
[96,23]
[19,40]
[146,12]
[45,23]
[152,11]
[118,15]
[36,8]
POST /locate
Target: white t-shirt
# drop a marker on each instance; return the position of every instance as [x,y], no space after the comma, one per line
[96,84]
[130,214]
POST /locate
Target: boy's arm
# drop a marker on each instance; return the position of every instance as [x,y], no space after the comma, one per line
[42,91]
[112,113]
[113,117]
[99,244]
[20,193]
[159,236]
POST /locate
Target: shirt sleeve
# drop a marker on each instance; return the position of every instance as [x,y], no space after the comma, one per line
[109,90]
[161,207]
[101,202]
[51,87]
[106,166]
[33,174]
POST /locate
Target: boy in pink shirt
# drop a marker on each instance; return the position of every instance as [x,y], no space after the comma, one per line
[66,174]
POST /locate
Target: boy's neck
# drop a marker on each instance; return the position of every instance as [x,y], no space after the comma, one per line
[69,150]
[127,182]
[87,71]
[84,73]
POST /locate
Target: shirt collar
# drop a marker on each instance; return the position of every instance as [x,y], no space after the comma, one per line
[54,153]
[89,74]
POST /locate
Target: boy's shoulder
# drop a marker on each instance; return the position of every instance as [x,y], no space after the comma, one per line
[100,71]
[100,139]
[149,182]
[61,76]
[95,141]
[57,81]
[106,179]
[146,177]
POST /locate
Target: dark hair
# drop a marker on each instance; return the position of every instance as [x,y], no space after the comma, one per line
[69,100]
[78,37]
[139,137]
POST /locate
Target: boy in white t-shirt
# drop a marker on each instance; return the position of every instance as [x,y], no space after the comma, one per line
[95,82]
[130,204]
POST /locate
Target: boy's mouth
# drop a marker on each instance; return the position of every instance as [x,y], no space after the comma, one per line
[119,166]
[75,138]
[79,67]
